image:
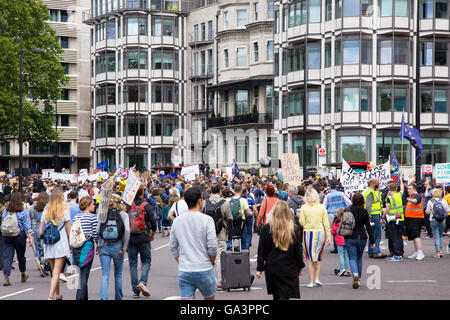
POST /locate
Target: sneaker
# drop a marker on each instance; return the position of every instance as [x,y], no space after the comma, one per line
[219,287]
[336,271]
[310,285]
[136,295]
[142,288]
[6,282]
[448,248]
[394,258]
[318,283]
[437,255]
[356,282]
[252,279]
[379,256]
[341,273]
[420,256]
[62,277]
[441,254]
[348,273]
[40,269]
[24,277]
[413,256]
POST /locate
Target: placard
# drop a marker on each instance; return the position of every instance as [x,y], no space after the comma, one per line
[83,172]
[190,170]
[290,168]
[46,173]
[105,197]
[61,176]
[442,172]
[358,181]
[131,188]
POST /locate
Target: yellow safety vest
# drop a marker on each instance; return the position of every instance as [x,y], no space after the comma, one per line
[396,203]
[376,205]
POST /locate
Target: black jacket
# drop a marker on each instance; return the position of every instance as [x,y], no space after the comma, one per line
[362,225]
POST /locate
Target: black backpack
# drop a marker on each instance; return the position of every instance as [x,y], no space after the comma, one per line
[213,210]
[112,229]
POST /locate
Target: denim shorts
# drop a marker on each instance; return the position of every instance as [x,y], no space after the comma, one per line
[204,281]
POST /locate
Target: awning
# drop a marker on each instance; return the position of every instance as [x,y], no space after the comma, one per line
[242,83]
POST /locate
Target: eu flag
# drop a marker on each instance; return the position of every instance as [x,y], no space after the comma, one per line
[103,165]
[412,135]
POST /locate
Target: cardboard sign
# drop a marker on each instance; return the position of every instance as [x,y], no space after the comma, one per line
[190,177]
[290,168]
[61,176]
[190,170]
[83,172]
[358,181]
[105,197]
[442,172]
[46,173]
[131,188]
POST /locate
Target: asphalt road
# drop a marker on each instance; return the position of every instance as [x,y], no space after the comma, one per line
[410,279]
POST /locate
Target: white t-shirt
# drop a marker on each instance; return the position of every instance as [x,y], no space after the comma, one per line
[82,193]
[182,207]
[96,192]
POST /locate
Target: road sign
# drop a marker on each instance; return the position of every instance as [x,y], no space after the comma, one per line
[322,152]
[317,146]
[428,169]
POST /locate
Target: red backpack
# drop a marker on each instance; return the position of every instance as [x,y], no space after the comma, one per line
[137,218]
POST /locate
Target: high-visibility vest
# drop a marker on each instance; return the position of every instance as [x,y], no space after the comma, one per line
[414,210]
[447,198]
[376,205]
[396,203]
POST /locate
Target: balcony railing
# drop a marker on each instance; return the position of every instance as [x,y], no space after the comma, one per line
[245,119]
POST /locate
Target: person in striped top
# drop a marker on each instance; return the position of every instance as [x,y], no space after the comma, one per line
[89,225]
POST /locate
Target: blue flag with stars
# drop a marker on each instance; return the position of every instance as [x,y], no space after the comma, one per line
[412,135]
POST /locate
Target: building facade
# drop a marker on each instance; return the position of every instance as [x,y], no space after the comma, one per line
[72,112]
[351,65]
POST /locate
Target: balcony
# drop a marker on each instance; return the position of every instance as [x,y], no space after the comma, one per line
[246,119]
[200,77]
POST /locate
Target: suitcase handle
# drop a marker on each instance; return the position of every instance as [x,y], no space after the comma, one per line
[237,261]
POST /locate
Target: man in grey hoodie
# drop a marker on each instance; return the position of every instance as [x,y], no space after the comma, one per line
[295,201]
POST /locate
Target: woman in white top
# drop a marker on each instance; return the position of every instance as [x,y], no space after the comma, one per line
[57,212]
[436,226]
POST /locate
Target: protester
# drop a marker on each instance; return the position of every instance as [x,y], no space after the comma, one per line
[344,267]
[15,229]
[394,228]
[36,216]
[427,196]
[112,245]
[266,205]
[437,226]
[316,234]
[295,202]
[373,205]
[414,215]
[57,213]
[356,243]
[193,244]
[72,197]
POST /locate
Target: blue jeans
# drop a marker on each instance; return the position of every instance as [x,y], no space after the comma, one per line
[355,250]
[37,247]
[204,281]
[394,234]
[376,229]
[248,232]
[9,246]
[159,223]
[343,258]
[438,229]
[82,292]
[107,253]
[144,249]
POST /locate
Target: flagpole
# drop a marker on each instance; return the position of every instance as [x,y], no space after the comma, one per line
[401,129]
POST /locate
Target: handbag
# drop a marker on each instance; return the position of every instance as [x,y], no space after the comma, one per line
[83,255]
[77,237]
[260,226]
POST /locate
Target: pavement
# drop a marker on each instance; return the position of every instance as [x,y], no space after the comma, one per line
[381,280]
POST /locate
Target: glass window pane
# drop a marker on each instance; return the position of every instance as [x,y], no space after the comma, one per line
[427,53]
[366,8]
[314,102]
[337,53]
[351,99]
[441,150]
[385,99]
[327,55]
[427,9]
[241,18]
[366,52]
[365,99]
[241,102]
[329,12]
[354,148]
[132,29]
[399,99]
[426,156]
[426,101]
[440,101]
[401,8]
[440,56]
[327,100]
[351,52]
[442,9]
[314,56]
[351,8]
[314,11]
[386,8]
[401,52]
[337,103]
[385,51]
[338,9]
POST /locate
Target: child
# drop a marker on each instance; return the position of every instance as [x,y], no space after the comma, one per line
[340,243]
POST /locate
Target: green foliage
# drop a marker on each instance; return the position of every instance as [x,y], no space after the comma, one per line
[43,74]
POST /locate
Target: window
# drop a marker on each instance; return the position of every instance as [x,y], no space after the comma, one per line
[386,8]
[111,29]
[270,9]
[203,62]
[427,9]
[210,61]
[440,55]
[196,33]
[53,15]
[401,8]
[328,10]
[351,52]
[351,99]
[338,9]
[351,8]
[255,52]
[366,51]
[314,102]
[6,148]
[65,94]
[164,27]
[241,18]
[64,15]
[426,101]
[442,9]
[385,99]
[203,34]
[400,99]
[225,58]
[327,100]
[255,11]
[196,97]
[354,148]
[136,26]
[440,101]
[385,51]
[196,64]
[241,102]
[270,50]
[64,42]
[366,8]
[241,57]
[135,60]
[136,93]
[401,51]
[210,30]
[427,54]
[365,99]
[269,98]
[164,93]
[66,67]
[395,144]
[64,120]
[337,53]
[314,11]
[256,97]
[337,102]
[226,104]
[225,20]
[327,54]
[314,56]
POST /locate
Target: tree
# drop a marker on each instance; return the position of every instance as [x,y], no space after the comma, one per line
[43,74]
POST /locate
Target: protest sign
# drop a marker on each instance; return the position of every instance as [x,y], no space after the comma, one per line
[228,174]
[358,181]
[46,173]
[2,173]
[83,172]
[190,170]
[190,177]
[61,176]
[442,172]
[131,188]
[105,197]
[290,168]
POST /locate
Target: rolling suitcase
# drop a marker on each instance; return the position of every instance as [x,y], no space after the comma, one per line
[235,267]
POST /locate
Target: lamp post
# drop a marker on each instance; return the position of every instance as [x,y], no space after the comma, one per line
[21,52]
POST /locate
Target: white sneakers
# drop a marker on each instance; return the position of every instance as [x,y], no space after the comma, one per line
[417,255]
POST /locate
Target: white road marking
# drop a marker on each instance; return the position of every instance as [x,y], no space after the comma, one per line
[328,284]
[253,260]
[16,293]
[412,281]
[160,247]
[173,298]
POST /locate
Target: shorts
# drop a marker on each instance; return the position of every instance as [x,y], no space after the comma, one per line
[204,281]
[413,227]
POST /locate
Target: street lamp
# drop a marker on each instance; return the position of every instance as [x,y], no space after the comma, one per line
[21,52]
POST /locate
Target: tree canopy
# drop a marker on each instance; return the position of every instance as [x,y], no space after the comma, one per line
[43,74]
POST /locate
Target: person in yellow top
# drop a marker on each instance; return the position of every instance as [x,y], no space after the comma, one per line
[374,206]
[313,217]
[122,184]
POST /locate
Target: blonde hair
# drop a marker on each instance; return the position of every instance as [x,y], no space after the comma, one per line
[56,206]
[340,212]
[437,193]
[282,225]
[311,197]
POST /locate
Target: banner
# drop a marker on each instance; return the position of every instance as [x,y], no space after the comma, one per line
[83,172]
[105,197]
[190,170]
[358,181]
[131,188]
[290,168]
[442,172]
[61,176]
[46,173]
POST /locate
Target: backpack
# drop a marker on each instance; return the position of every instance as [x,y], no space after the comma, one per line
[235,207]
[137,218]
[77,237]
[10,225]
[213,210]
[113,229]
[51,233]
[347,224]
[439,212]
